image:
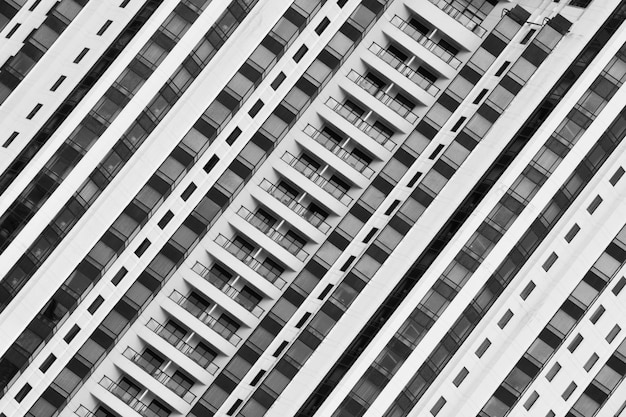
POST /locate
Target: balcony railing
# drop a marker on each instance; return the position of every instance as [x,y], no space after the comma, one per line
[250,261]
[383,97]
[418,79]
[356,119]
[227,289]
[442,53]
[458,15]
[182,346]
[325,140]
[83,411]
[206,318]
[159,375]
[309,215]
[317,179]
[130,399]
[272,233]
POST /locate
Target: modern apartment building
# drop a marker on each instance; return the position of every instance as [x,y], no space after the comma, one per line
[312,208]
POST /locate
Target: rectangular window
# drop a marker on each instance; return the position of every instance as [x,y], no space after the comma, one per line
[58,83]
[300,53]
[569,390]
[483,348]
[142,247]
[104,27]
[95,305]
[617,176]
[592,361]
[619,286]
[527,290]
[530,401]
[460,377]
[23,393]
[594,204]
[613,333]
[322,26]
[71,334]
[34,111]
[47,363]
[188,191]
[118,277]
[505,319]
[597,314]
[553,371]
[10,140]
[81,55]
[438,406]
[572,233]
[550,261]
[278,80]
[575,343]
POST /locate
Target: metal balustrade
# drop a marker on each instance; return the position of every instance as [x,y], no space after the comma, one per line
[159,375]
[317,179]
[382,96]
[458,15]
[355,118]
[206,318]
[250,261]
[418,79]
[323,139]
[307,214]
[129,399]
[227,289]
[439,51]
[182,346]
[272,233]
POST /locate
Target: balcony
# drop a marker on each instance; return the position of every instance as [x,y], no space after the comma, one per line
[317,179]
[442,53]
[273,234]
[418,79]
[326,141]
[227,289]
[159,375]
[251,262]
[127,397]
[185,348]
[356,119]
[309,215]
[383,97]
[206,318]
[458,15]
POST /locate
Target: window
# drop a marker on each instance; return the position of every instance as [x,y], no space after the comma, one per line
[71,334]
[158,409]
[591,361]
[300,53]
[572,233]
[527,290]
[81,55]
[278,80]
[613,333]
[483,348]
[95,305]
[142,247]
[47,363]
[10,140]
[322,26]
[188,191]
[575,343]
[597,314]
[550,261]
[619,286]
[617,176]
[34,111]
[22,393]
[505,319]
[569,390]
[151,361]
[594,204]
[460,377]
[118,277]
[255,108]
[530,401]
[553,371]
[165,219]
[104,27]
[58,83]
[438,406]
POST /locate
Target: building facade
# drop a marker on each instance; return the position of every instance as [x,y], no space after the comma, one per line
[312,208]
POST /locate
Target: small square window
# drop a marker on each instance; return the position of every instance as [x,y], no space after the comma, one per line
[81,55]
[300,53]
[575,343]
[47,363]
[483,348]
[58,83]
[597,314]
[142,247]
[590,362]
[617,176]
[34,111]
[438,406]
[619,286]
[553,371]
[23,393]
[95,305]
[10,140]
[165,219]
[104,27]
[188,191]
[569,390]
[530,401]
[505,319]
[572,233]
[278,80]
[613,333]
[550,261]
[322,26]
[460,377]
[71,334]
[527,290]
[594,204]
